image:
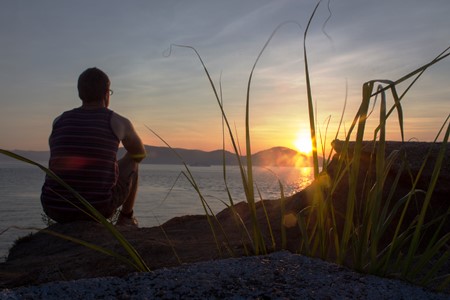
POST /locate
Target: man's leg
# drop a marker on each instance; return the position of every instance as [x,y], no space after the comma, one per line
[127,206]
[128,175]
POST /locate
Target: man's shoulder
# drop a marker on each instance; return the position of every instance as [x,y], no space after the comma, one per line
[64,114]
[119,118]
[120,125]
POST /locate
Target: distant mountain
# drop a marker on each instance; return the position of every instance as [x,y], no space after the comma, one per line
[164,155]
[277,156]
[282,157]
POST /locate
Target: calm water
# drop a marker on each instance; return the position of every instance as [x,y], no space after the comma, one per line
[163,193]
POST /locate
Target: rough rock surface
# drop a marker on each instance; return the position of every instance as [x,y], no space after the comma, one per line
[42,258]
[412,160]
[415,154]
[280,275]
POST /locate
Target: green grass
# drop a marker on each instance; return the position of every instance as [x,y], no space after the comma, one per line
[367,216]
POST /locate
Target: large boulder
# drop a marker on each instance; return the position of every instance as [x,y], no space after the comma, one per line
[414,162]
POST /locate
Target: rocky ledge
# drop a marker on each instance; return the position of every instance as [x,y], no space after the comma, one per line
[280,275]
[41,258]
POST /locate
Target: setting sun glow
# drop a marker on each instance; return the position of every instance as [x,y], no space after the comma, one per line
[303,143]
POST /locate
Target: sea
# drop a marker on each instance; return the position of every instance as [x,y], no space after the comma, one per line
[164,192]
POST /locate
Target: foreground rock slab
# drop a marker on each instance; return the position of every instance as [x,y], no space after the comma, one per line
[42,257]
[275,276]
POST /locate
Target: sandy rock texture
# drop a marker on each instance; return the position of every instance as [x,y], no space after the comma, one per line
[280,275]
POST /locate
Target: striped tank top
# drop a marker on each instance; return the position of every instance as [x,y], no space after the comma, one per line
[83,151]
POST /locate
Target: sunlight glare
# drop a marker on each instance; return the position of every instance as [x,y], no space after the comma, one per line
[303,143]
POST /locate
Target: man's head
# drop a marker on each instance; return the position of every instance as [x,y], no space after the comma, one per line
[93,85]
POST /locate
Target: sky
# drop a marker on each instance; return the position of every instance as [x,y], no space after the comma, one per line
[46,44]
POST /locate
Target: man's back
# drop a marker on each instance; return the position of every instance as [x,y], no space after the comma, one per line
[83,151]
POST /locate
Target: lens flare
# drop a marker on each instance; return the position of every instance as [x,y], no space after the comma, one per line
[303,143]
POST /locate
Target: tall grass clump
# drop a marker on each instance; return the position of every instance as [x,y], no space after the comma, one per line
[368,214]
[368,229]
[246,171]
[245,168]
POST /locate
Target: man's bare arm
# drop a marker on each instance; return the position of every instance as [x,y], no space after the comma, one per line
[124,130]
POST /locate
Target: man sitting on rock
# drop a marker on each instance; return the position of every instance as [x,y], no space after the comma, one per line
[83,152]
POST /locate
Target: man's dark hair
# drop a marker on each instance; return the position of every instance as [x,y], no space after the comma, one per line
[93,84]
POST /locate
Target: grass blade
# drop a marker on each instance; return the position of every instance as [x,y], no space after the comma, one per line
[140,263]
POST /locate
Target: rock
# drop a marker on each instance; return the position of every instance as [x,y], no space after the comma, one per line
[42,257]
[413,158]
[416,154]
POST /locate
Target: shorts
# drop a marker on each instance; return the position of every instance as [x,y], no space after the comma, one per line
[120,193]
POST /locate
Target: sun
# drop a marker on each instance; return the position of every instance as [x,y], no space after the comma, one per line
[303,143]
